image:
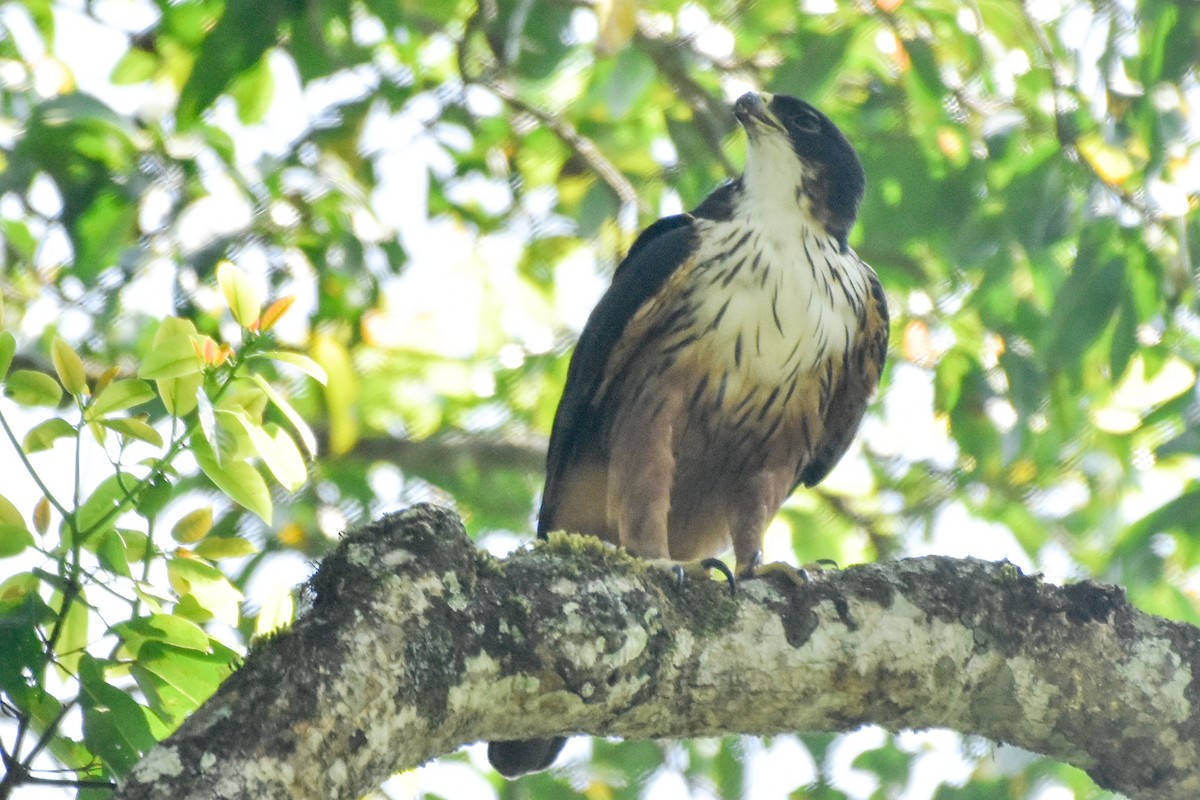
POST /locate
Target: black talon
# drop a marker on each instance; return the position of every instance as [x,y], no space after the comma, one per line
[680,575]
[723,568]
[803,575]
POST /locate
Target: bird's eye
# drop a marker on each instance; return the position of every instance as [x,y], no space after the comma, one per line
[806,121]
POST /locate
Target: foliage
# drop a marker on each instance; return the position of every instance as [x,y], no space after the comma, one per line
[54,617]
[435,184]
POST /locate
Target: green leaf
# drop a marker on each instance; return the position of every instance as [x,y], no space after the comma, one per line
[17,235]
[188,607]
[15,589]
[135,66]
[889,763]
[543,37]
[301,362]
[217,548]
[812,75]
[633,74]
[73,631]
[277,450]
[1179,514]
[193,526]
[1087,302]
[30,388]
[924,81]
[8,348]
[9,515]
[230,438]
[118,396]
[172,354]
[599,206]
[88,151]
[951,373]
[133,428]
[164,628]
[110,550]
[135,543]
[240,295]
[253,91]
[99,234]
[178,680]
[180,395]
[22,612]
[154,498]
[341,392]
[207,416]
[174,366]
[14,539]
[115,727]
[208,587]
[235,44]
[1125,343]
[43,435]
[282,457]
[237,479]
[244,395]
[69,366]
[100,510]
[293,416]
[1026,382]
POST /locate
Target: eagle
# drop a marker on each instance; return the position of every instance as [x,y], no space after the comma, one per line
[730,361]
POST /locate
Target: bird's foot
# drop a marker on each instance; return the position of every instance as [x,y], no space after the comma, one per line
[799,576]
[701,570]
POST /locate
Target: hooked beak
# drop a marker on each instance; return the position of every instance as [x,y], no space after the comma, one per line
[751,111]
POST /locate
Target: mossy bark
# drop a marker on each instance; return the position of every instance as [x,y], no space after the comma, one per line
[416,642]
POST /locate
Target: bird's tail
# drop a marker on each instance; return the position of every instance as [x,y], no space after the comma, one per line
[514,758]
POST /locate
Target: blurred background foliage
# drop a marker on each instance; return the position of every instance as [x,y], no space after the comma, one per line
[443,186]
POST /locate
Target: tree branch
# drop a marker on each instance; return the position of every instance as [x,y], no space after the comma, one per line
[484,451]
[416,643]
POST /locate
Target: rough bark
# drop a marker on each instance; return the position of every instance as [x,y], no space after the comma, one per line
[416,642]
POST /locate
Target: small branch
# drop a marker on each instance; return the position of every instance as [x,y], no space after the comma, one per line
[579,144]
[416,643]
[490,77]
[72,783]
[48,734]
[714,118]
[447,451]
[1067,139]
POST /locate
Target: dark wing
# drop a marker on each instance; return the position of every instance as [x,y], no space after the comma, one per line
[660,250]
[860,376]
[657,229]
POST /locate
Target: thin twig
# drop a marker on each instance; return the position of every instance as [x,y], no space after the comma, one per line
[1067,139]
[713,117]
[579,144]
[490,78]
[483,452]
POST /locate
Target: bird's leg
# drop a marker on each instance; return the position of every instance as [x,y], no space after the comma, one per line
[764,493]
[640,474]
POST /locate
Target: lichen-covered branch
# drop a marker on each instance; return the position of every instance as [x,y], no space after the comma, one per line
[416,643]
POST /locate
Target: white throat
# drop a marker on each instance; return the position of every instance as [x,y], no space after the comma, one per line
[773,195]
[787,302]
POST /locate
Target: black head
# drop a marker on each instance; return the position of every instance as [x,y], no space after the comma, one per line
[833,180]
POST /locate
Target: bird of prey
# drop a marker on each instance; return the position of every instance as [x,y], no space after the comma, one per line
[730,361]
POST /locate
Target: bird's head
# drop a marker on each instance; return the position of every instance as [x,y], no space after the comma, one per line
[797,155]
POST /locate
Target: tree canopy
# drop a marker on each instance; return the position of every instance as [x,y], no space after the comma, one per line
[270,268]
